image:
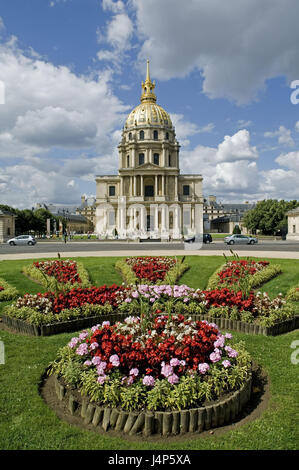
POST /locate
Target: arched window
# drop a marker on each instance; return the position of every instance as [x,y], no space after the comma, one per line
[155,135]
[141,135]
[156,158]
[128,161]
[169,160]
[141,158]
[130,136]
[167,136]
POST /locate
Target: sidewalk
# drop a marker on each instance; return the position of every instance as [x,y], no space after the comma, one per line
[86,254]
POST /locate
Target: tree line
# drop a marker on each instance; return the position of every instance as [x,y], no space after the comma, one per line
[269,216]
[33,220]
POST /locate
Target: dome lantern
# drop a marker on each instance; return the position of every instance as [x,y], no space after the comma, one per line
[148,95]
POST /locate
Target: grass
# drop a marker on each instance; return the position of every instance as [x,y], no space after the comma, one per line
[26,422]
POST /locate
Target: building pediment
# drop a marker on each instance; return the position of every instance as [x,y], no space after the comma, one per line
[149,166]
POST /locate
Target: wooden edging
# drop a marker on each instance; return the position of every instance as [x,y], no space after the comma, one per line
[251,328]
[22,326]
[163,423]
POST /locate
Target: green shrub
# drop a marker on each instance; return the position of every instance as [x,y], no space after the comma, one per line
[9,292]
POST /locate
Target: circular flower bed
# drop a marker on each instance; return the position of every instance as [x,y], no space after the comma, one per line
[175,364]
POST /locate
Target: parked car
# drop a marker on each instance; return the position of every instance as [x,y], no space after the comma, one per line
[206,238]
[22,240]
[244,239]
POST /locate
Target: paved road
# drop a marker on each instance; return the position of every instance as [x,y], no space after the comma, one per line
[102,247]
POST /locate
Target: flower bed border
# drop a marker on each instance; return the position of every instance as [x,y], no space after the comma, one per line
[147,423]
[129,277]
[9,292]
[250,328]
[50,283]
[21,326]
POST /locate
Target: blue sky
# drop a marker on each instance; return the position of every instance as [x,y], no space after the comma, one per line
[72,71]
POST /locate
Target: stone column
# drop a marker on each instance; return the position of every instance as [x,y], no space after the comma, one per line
[133,157]
[156,223]
[135,186]
[156,185]
[175,187]
[141,186]
[163,186]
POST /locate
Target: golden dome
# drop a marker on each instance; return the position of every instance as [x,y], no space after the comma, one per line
[148,112]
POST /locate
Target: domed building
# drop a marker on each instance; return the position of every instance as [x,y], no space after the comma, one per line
[149,198]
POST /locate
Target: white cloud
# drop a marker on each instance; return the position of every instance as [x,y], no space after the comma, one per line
[24,185]
[297,126]
[241,124]
[49,113]
[185,129]
[238,45]
[114,6]
[289,160]
[117,35]
[284,136]
[236,148]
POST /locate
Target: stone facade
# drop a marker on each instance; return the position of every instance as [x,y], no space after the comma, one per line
[149,198]
[7,226]
[293,224]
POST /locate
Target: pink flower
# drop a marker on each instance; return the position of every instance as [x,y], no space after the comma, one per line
[102,379]
[96,360]
[83,335]
[73,343]
[149,381]
[173,379]
[82,349]
[203,368]
[215,356]
[166,370]
[93,346]
[231,352]
[175,362]
[114,359]
[134,372]
[226,364]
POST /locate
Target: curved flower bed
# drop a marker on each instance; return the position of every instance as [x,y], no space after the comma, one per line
[176,364]
[151,269]
[146,300]
[58,274]
[50,308]
[243,274]
[7,292]
[253,308]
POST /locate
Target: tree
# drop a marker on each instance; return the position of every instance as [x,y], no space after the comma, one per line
[237,230]
[269,216]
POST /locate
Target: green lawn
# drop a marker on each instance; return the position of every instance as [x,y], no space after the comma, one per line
[26,422]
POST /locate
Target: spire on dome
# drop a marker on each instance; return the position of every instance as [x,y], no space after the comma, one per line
[148,87]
